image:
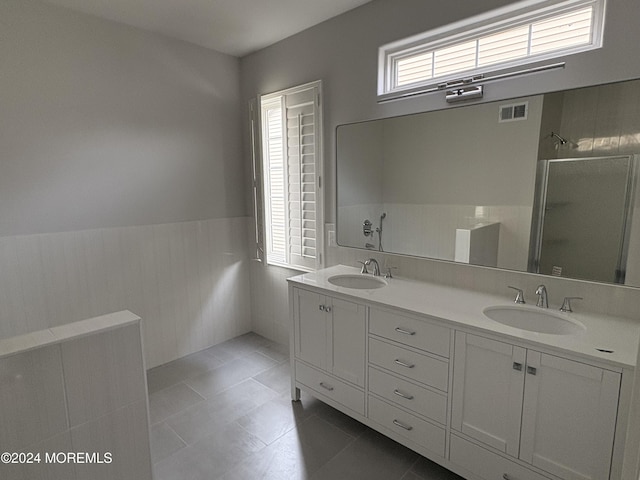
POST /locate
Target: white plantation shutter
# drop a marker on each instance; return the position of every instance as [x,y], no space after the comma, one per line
[274,172]
[525,35]
[291,162]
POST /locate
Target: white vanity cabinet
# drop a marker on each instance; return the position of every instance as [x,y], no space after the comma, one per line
[556,414]
[409,378]
[421,364]
[330,347]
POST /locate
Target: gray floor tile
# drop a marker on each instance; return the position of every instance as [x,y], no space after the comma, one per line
[342,421]
[427,470]
[411,476]
[306,407]
[231,405]
[260,360]
[159,378]
[164,442]
[217,381]
[277,378]
[170,401]
[175,372]
[200,420]
[210,457]
[269,421]
[296,455]
[371,456]
[277,351]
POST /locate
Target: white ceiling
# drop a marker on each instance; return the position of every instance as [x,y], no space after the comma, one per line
[236,27]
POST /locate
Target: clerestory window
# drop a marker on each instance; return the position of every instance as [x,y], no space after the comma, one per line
[519,34]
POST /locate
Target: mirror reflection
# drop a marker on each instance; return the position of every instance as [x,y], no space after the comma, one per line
[543,184]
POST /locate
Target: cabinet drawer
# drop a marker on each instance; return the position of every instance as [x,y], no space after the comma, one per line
[486,464]
[418,399]
[331,387]
[428,370]
[406,425]
[410,331]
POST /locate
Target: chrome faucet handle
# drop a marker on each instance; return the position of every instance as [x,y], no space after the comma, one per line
[519,296]
[364,267]
[566,303]
[388,274]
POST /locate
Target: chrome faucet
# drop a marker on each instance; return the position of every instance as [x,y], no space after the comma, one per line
[376,266]
[543,300]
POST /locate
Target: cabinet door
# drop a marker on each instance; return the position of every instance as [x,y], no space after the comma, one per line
[312,330]
[569,417]
[488,381]
[348,335]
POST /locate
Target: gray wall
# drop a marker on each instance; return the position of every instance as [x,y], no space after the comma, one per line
[105,125]
[462,156]
[121,180]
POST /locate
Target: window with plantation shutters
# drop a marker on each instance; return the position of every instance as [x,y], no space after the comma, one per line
[518,34]
[291,166]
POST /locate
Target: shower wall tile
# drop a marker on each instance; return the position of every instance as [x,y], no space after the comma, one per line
[43,471]
[124,434]
[32,398]
[103,372]
[80,387]
[190,282]
[601,121]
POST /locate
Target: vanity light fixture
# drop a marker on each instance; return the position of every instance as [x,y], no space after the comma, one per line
[464,93]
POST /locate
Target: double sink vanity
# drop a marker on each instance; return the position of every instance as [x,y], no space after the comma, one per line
[487,388]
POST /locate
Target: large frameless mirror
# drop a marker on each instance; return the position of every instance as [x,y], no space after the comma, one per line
[544,184]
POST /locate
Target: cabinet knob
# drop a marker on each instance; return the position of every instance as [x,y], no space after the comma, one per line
[506,477]
[327,309]
[321,308]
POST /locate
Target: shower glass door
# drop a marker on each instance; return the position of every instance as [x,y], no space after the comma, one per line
[584,218]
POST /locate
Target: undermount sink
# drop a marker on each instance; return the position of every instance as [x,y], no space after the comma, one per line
[534,319]
[360,282]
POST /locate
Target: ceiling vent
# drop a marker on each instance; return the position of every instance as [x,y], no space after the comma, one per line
[513,112]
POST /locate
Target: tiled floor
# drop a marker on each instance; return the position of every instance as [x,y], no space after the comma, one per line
[226,413]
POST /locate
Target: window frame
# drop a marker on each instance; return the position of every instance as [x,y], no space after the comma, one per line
[262,193]
[473,28]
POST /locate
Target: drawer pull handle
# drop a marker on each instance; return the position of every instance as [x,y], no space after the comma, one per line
[402,425]
[531,370]
[517,366]
[403,331]
[403,364]
[326,387]
[403,395]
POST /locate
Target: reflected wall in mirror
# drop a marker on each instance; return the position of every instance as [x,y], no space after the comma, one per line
[467,184]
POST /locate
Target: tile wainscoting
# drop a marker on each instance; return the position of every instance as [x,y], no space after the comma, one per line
[188,281]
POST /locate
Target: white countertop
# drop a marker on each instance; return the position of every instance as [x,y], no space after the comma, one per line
[463,309]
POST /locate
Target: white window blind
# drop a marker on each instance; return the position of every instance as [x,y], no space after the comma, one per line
[515,35]
[291,152]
